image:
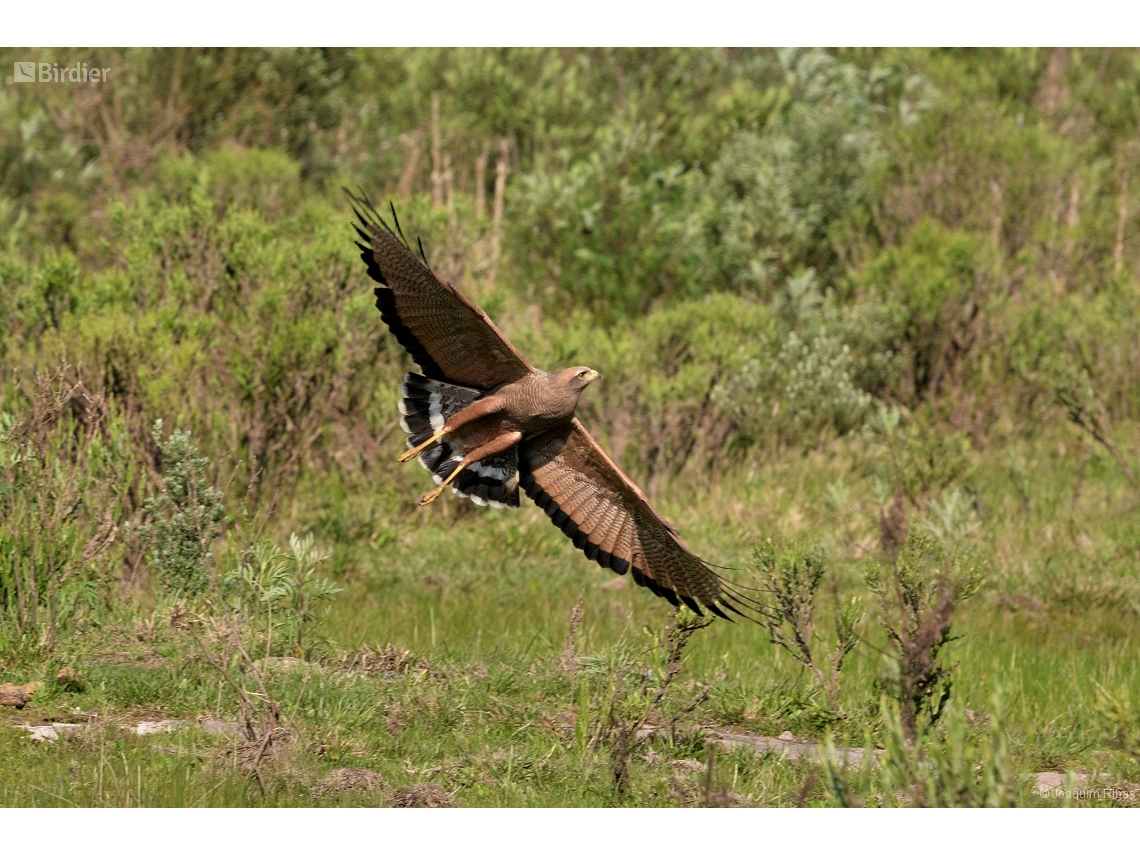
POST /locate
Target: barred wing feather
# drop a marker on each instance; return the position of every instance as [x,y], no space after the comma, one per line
[567,474]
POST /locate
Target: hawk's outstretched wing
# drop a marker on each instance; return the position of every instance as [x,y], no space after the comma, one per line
[450,337]
[590,499]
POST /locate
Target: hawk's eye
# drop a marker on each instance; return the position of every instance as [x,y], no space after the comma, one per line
[581,373]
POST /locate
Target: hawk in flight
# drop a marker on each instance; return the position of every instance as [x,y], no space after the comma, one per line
[484,422]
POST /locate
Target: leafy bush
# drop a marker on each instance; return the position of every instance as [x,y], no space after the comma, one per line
[620,689]
[812,385]
[284,587]
[917,595]
[782,196]
[944,770]
[808,387]
[187,516]
[937,283]
[66,467]
[1074,393]
[267,180]
[789,583]
[613,233]
[922,458]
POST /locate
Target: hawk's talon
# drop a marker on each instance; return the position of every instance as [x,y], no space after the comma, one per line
[430,496]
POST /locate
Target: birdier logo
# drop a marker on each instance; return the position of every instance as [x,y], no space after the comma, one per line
[53,72]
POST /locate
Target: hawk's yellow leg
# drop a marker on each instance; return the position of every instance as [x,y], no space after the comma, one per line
[412,452]
[496,446]
[432,495]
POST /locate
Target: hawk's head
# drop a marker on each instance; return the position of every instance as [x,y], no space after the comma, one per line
[578,378]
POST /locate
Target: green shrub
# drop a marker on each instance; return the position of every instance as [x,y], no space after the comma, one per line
[781,197]
[808,387]
[656,406]
[267,180]
[946,769]
[66,468]
[789,580]
[922,458]
[187,516]
[917,595]
[937,283]
[615,232]
[281,588]
[810,384]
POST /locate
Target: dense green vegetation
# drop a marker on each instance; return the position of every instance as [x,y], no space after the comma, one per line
[869,322]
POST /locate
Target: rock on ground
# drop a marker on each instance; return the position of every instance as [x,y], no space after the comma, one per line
[12,695]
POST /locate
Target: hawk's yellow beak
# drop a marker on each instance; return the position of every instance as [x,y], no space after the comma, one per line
[594,375]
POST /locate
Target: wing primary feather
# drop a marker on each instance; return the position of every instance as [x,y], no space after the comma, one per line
[422,254]
[364,202]
[355,202]
[692,604]
[727,599]
[396,220]
[358,202]
[725,567]
[738,612]
[657,588]
[715,609]
[741,598]
[371,208]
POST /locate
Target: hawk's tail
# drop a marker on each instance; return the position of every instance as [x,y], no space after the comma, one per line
[426,405]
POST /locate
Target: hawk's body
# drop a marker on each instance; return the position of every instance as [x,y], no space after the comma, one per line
[485,428]
[485,422]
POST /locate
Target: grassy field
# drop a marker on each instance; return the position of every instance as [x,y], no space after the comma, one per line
[469,612]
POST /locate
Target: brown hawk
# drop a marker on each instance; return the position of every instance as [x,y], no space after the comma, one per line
[484,422]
